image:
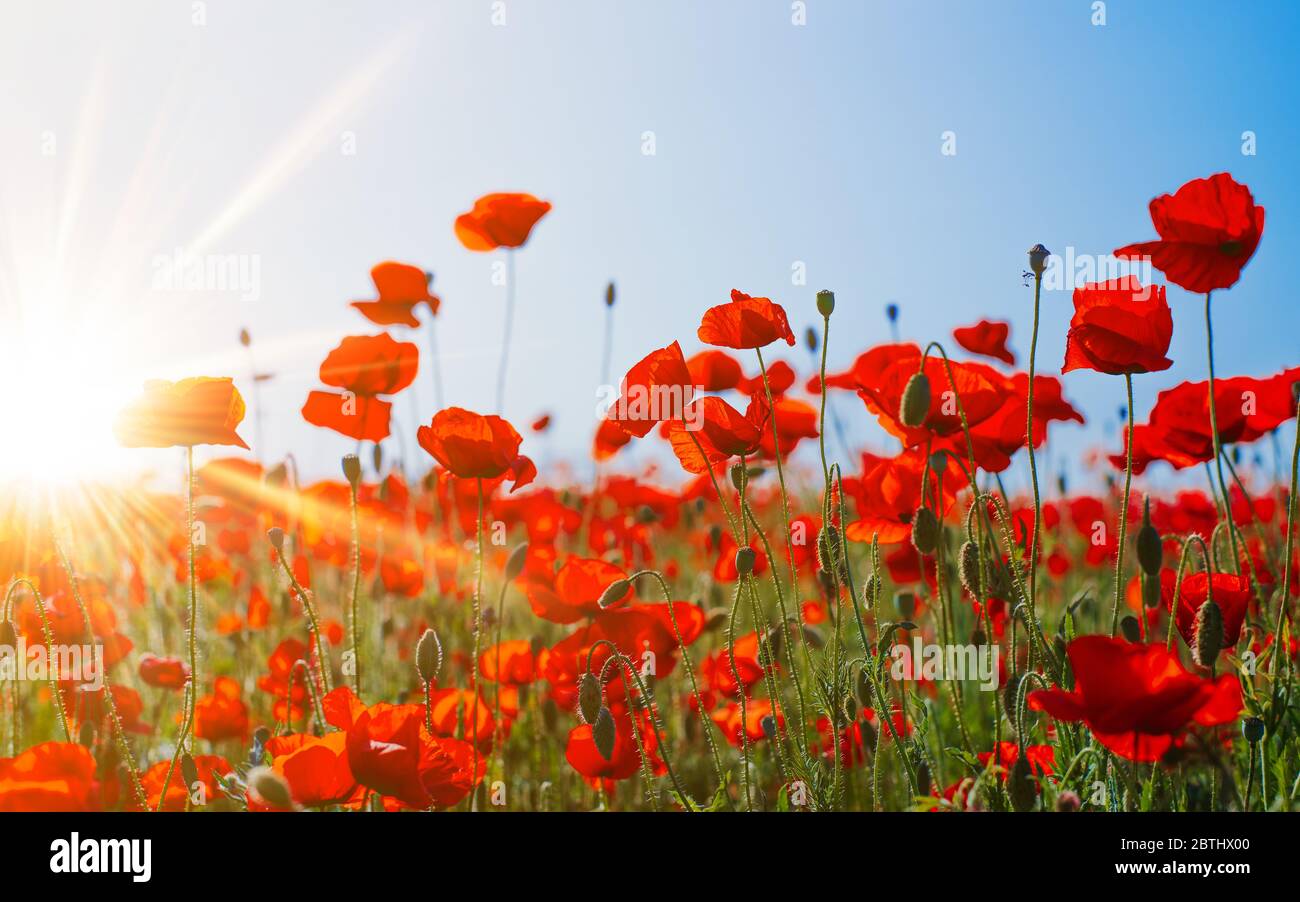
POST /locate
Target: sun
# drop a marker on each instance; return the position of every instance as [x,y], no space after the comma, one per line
[65,383]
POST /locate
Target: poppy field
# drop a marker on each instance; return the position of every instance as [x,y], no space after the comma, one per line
[735,628]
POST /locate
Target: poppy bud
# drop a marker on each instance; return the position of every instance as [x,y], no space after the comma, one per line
[1020,785]
[850,709]
[1149,546]
[603,734]
[969,567]
[261,736]
[8,635]
[905,604]
[891,312]
[914,407]
[715,535]
[1131,629]
[515,563]
[923,780]
[1038,259]
[352,470]
[1209,634]
[428,656]
[1068,800]
[869,590]
[737,473]
[715,619]
[1252,728]
[775,640]
[377,457]
[810,339]
[1011,691]
[978,637]
[825,303]
[189,770]
[613,593]
[86,735]
[1150,592]
[768,724]
[276,535]
[589,702]
[925,530]
[272,787]
[609,294]
[745,560]
[868,732]
[244,338]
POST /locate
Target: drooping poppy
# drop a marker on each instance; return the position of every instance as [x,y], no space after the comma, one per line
[500,220]
[473,446]
[1119,326]
[203,410]
[1209,229]
[401,288]
[746,322]
[1137,698]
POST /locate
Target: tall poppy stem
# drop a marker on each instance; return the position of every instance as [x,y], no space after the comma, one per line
[356,590]
[1214,435]
[435,362]
[471,734]
[1284,588]
[1123,509]
[505,339]
[1029,442]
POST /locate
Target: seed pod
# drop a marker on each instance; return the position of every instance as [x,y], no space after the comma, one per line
[1252,729]
[968,560]
[745,560]
[825,302]
[925,530]
[1209,634]
[1149,547]
[352,470]
[276,535]
[428,656]
[738,475]
[589,701]
[603,734]
[915,405]
[613,593]
[189,771]
[1038,259]
[377,458]
[923,783]
[609,294]
[1131,629]
[272,787]
[1020,785]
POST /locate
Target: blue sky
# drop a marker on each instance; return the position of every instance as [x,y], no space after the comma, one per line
[775,143]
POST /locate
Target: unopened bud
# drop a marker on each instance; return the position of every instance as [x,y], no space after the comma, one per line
[1131,629]
[1020,785]
[969,567]
[745,560]
[589,701]
[1038,259]
[515,563]
[189,770]
[603,734]
[925,530]
[1252,729]
[1209,634]
[271,786]
[1068,800]
[244,338]
[609,294]
[276,535]
[1150,550]
[613,593]
[428,656]
[914,408]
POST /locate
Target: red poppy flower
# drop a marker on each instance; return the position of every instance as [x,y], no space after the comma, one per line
[780,378]
[165,673]
[365,366]
[401,289]
[881,376]
[500,220]
[1233,595]
[625,759]
[719,675]
[986,338]
[1208,229]
[712,431]
[200,411]
[50,776]
[655,390]
[1137,698]
[576,590]
[510,663]
[401,575]
[724,567]
[730,723]
[390,751]
[315,767]
[795,421]
[472,446]
[276,681]
[714,370]
[542,423]
[1119,327]
[889,492]
[745,322]
[221,715]
[997,439]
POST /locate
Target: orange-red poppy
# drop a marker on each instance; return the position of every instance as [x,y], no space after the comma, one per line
[500,220]
[745,322]
[203,410]
[473,446]
[401,288]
